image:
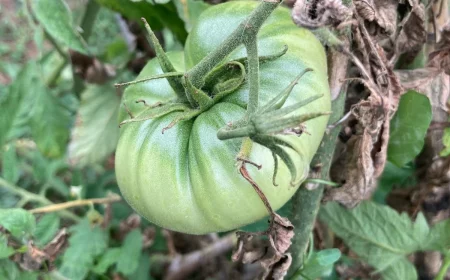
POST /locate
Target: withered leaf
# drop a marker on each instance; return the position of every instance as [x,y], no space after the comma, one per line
[319,13]
[271,254]
[380,16]
[412,35]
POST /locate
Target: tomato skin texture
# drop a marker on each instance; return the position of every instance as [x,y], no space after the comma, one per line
[186,179]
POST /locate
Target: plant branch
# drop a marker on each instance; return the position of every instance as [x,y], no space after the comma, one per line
[27,196]
[88,20]
[183,265]
[444,268]
[253,77]
[76,203]
[306,203]
[241,35]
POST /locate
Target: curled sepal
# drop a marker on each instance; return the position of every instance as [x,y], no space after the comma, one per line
[155,111]
[278,101]
[201,99]
[276,144]
[280,125]
[164,61]
[265,58]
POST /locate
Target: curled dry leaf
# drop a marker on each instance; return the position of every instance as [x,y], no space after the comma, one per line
[440,58]
[380,16]
[34,258]
[412,33]
[319,13]
[272,253]
[364,156]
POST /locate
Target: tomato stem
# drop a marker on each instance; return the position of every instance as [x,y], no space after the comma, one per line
[253,76]
[246,31]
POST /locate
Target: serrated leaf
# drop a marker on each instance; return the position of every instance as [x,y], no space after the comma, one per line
[18,222]
[96,131]
[409,127]
[86,243]
[5,251]
[49,122]
[439,238]
[46,229]
[377,233]
[319,264]
[109,258]
[130,253]
[403,269]
[190,10]
[10,168]
[158,16]
[55,17]
[11,102]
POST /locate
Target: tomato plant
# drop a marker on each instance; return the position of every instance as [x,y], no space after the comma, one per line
[185,179]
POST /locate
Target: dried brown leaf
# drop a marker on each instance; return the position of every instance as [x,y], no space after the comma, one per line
[319,13]
[413,34]
[34,258]
[271,253]
[380,16]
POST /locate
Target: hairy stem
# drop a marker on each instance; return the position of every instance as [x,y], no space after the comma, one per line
[241,35]
[253,76]
[306,203]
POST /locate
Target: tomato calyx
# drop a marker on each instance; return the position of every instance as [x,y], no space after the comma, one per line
[270,120]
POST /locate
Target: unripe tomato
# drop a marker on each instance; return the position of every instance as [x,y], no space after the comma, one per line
[186,179]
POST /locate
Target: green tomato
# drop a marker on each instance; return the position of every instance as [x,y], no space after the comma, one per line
[186,179]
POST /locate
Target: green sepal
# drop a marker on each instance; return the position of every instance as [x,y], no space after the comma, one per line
[164,61]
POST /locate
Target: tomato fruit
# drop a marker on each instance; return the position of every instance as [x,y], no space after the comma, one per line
[186,179]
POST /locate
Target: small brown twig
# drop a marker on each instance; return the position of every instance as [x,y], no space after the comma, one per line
[69,204]
[183,265]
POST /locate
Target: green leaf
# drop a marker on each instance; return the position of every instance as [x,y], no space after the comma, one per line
[378,234]
[10,104]
[9,270]
[96,133]
[18,222]
[10,168]
[439,239]
[46,229]
[143,270]
[86,243]
[130,253]
[189,11]
[393,177]
[446,141]
[55,17]
[5,251]
[409,127]
[402,269]
[49,122]
[109,258]
[320,264]
[159,15]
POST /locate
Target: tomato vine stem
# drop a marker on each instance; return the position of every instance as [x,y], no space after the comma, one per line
[246,31]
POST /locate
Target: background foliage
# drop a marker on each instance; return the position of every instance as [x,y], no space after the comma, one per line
[60,213]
